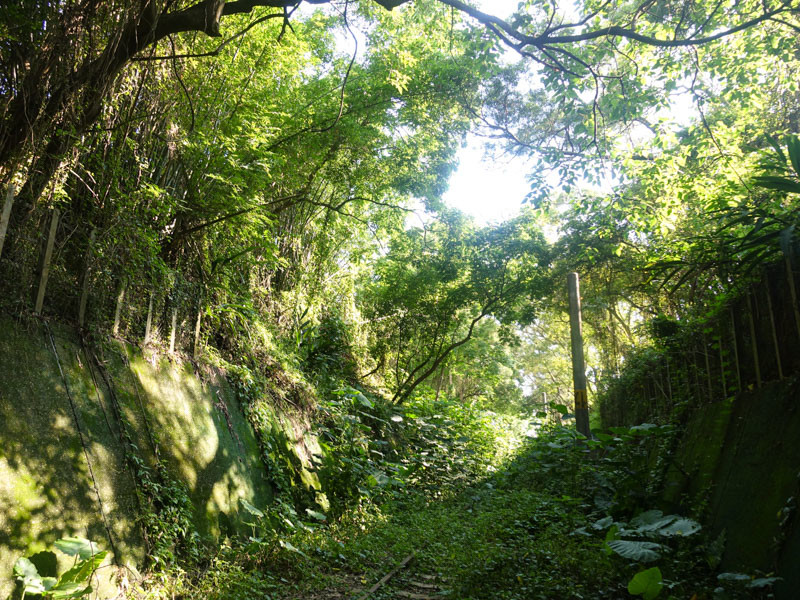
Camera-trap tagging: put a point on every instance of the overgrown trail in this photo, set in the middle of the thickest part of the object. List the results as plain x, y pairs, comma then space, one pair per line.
560, 521
503, 536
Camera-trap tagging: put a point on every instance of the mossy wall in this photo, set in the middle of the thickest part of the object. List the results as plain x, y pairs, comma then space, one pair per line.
741, 460
50, 424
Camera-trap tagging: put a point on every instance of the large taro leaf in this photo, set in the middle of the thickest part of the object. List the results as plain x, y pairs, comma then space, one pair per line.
680, 527
80, 547
28, 574
636, 550
646, 584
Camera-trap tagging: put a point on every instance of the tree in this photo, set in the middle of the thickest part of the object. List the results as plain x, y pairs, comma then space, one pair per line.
435, 285
57, 77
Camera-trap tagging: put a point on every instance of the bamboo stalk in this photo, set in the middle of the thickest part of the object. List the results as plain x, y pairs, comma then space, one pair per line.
86, 279
6, 216
173, 329
775, 343
48, 255
197, 325
709, 380
723, 378
148, 328
736, 352
753, 340
118, 310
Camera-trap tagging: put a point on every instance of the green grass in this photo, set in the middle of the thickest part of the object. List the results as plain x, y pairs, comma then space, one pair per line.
525, 530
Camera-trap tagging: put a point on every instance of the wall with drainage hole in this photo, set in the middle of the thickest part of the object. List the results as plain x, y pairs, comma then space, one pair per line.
65, 461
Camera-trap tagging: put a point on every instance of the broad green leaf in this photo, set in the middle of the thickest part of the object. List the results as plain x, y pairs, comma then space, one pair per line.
781, 184
778, 150
80, 547
793, 145
646, 518
680, 527
733, 577
763, 582
291, 548
25, 569
250, 508
603, 523
64, 591
636, 550
316, 515
646, 584
83, 570
28, 574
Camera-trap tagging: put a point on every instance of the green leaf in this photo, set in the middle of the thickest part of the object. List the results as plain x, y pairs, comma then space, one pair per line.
28, 574
793, 145
25, 569
63, 591
778, 150
83, 570
316, 515
49, 582
774, 182
646, 584
603, 523
560, 408
80, 547
250, 508
292, 548
763, 582
733, 577
680, 527
636, 550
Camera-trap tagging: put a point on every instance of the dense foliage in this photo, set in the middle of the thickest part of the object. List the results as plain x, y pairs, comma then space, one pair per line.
258, 185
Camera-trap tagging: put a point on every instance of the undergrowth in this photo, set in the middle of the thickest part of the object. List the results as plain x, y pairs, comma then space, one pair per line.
559, 517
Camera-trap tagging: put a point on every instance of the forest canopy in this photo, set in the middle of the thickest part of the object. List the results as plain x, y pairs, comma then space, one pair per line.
229, 171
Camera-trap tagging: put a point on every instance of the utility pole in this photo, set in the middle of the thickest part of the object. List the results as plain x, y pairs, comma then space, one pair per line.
578, 364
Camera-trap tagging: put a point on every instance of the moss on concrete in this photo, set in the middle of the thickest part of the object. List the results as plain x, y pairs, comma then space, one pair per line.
741, 461
47, 489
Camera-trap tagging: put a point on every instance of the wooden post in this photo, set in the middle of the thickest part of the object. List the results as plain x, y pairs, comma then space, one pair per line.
774, 332
793, 293
753, 340
85, 280
149, 325
578, 364
736, 352
723, 377
6, 216
118, 310
709, 377
48, 255
197, 325
173, 329
669, 381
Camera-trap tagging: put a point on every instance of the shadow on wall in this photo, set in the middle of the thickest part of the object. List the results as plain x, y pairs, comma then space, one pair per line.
50, 425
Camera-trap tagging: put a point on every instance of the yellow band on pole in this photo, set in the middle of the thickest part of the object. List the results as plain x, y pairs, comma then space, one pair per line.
581, 400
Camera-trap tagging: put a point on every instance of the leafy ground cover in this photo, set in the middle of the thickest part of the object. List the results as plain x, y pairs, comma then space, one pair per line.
560, 518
